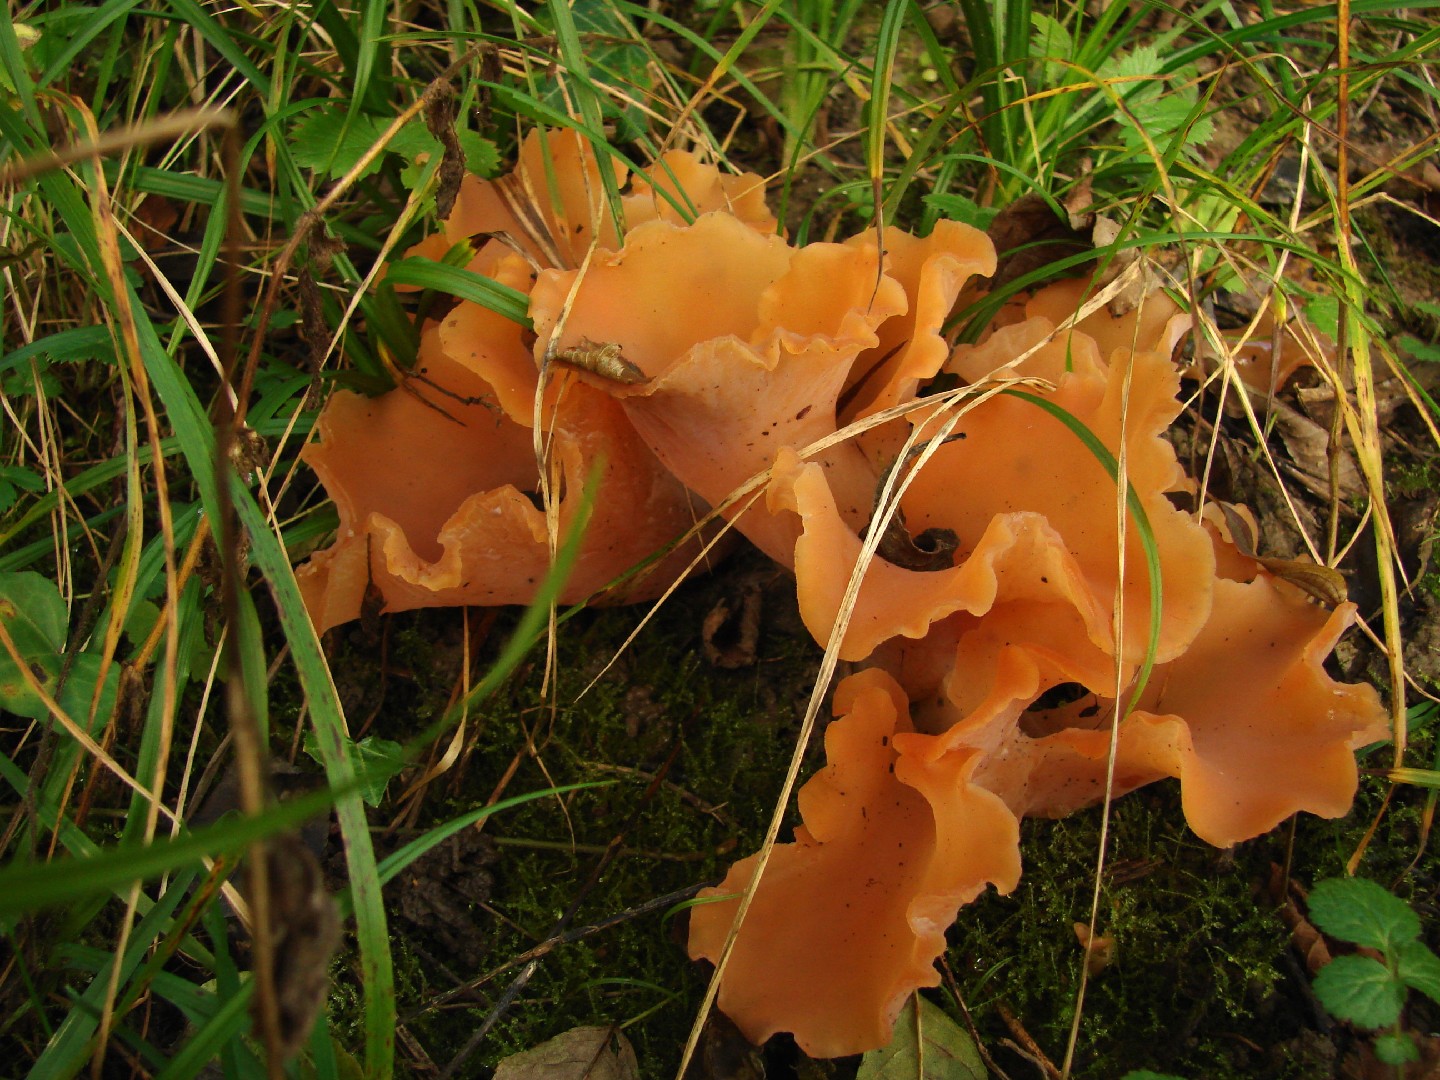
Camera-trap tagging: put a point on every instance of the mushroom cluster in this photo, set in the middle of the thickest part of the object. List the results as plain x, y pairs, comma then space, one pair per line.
1009, 615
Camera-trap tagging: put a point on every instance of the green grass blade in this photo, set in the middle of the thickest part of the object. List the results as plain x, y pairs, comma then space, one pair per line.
1142, 526
466, 284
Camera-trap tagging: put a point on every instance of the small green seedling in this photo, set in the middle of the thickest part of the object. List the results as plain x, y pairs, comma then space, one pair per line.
1363, 990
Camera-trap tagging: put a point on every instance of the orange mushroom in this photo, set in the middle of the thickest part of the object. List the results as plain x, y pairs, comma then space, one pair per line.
436, 482
1026, 608
745, 343
551, 207
848, 920
1030, 507
905, 825
743, 352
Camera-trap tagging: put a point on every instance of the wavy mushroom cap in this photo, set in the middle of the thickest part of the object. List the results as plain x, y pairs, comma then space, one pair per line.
1031, 507
848, 920
436, 481
746, 343
552, 205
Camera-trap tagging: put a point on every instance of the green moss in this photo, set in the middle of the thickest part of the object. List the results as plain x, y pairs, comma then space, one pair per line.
1193, 947
1203, 975
721, 739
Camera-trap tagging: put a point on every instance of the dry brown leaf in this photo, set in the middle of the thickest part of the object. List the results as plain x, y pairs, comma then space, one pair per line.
582, 1053
1030, 223
305, 931
1309, 447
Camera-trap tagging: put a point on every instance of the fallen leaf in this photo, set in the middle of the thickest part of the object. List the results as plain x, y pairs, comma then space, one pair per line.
582, 1053
1030, 223
927, 1045
1309, 447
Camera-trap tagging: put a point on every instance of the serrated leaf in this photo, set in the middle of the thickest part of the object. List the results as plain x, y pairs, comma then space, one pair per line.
1354, 909
1361, 990
414, 139
376, 760
925, 1046
325, 142
482, 157
1161, 117
1050, 39
1137, 70
1419, 969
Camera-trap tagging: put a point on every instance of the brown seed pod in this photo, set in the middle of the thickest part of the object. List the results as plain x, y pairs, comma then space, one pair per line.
604, 360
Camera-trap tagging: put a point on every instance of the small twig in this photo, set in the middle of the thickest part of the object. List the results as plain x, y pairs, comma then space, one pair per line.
1028, 1046
954, 988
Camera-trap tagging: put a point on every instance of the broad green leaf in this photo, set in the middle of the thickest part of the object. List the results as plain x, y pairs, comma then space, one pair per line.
963, 209
377, 761
1354, 909
1324, 313
79, 690
1361, 990
1396, 1049
1420, 350
33, 611
1419, 969
926, 1045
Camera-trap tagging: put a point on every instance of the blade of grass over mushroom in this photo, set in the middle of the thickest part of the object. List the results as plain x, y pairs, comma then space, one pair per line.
466, 284
1142, 525
533, 623
887, 45
887, 507
587, 97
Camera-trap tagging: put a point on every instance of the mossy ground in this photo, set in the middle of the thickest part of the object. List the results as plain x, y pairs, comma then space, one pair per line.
1203, 983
